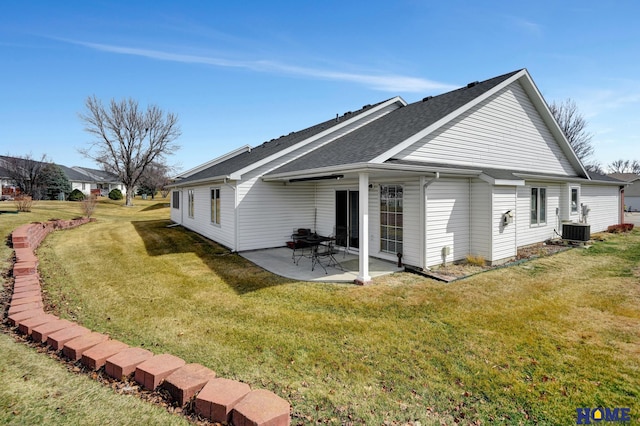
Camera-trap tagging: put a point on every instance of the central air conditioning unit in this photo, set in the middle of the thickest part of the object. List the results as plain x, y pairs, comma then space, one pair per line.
576, 231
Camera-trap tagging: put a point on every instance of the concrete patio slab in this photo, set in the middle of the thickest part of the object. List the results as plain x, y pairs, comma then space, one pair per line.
279, 262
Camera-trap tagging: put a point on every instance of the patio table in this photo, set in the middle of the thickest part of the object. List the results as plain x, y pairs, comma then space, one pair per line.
321, 248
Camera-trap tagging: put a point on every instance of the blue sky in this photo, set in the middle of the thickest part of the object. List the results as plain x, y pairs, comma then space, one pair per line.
241, 73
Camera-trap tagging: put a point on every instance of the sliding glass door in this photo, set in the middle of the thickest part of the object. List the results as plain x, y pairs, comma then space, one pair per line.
347, 216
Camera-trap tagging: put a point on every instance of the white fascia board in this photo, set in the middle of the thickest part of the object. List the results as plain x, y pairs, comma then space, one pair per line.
536, 98
218, 160
444, 120
566, 179
368, 167
237, 175
602, 182
501, 182
321, 171
221, 178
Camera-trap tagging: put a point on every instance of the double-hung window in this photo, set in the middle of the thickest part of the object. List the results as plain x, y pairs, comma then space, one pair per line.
215, 206
175, 196
575, 200
391, 215
190, 202
538, 206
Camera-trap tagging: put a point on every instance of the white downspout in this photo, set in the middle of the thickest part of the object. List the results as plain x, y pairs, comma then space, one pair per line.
424, 183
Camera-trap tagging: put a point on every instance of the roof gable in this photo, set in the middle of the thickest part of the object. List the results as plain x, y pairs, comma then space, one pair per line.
505, 130
388, 136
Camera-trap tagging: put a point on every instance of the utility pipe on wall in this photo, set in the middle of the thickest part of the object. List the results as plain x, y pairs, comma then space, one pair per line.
424, 183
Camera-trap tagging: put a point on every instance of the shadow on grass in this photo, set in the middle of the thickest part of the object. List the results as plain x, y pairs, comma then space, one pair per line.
238, 273
156, 206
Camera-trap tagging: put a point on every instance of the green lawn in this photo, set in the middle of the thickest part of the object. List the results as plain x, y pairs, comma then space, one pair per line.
38, 390
526, 344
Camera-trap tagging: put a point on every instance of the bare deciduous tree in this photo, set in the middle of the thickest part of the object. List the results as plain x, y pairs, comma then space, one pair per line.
574, 127
28, 175
624, 166
595, 167
155, 178
128, 139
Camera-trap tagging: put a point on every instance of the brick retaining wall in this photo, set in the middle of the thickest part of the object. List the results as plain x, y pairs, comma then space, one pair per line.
222, 400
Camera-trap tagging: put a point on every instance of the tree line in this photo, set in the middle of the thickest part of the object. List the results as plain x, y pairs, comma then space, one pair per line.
574, 127
39, 179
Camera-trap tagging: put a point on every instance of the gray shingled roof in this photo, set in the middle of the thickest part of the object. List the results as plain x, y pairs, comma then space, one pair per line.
268, 148
97, 174
74, 175
602, 178
627, 177
379, 136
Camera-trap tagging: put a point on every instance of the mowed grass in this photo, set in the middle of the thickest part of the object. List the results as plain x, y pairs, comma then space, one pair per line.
522, 345
38, 390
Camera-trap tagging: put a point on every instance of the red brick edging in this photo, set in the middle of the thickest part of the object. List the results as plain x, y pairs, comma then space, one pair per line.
217, 399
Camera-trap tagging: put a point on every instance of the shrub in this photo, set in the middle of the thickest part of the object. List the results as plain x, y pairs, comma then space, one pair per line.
116, 194
76, 195
475, 260
89, 205
23, 203
622, 227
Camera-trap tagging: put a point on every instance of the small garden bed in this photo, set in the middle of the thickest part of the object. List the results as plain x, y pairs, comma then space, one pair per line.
462, 269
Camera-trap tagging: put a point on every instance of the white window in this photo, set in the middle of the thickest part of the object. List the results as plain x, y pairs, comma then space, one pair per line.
575, 200
190, 202
215, 206
391, 218
538, 206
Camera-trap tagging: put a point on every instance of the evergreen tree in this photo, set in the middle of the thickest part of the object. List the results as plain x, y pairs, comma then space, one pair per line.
54, 182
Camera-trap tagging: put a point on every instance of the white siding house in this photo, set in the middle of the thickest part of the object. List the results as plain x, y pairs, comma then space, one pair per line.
92, 180
631, 190
482, 170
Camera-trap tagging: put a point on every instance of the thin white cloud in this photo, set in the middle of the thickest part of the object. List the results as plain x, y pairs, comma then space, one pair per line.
526, 26
382, 82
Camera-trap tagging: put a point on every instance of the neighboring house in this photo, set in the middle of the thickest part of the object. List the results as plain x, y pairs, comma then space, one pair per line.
82, 178
92, 180
632, 191
7, 190
481, 170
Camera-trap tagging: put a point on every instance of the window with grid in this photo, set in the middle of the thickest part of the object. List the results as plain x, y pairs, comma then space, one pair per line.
391, 212
215, 206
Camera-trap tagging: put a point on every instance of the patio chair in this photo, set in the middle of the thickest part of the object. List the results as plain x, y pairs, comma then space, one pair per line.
341, 235
300, 248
